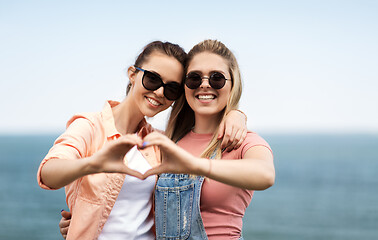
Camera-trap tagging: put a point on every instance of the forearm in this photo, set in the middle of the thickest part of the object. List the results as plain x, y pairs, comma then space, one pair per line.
57, 173
252, 174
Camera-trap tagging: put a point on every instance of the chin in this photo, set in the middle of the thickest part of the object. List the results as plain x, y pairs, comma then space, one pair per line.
207, 112
149, 113
153, 113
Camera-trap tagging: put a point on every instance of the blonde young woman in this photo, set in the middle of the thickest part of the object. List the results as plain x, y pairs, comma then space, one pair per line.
202, 191
89, 158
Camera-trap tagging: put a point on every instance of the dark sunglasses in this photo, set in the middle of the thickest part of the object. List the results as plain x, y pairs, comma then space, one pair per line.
151, 81
216, 80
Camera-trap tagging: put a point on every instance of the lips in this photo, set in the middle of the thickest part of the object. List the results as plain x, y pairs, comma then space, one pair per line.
153, 102
205, 96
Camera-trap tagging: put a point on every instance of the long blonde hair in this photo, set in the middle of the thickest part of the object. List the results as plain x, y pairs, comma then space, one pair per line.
182, 119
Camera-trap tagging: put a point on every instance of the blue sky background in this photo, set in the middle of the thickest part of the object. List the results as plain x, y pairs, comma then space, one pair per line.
307, 66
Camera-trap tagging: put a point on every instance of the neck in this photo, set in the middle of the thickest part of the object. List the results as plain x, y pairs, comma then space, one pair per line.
126, 118
205, 124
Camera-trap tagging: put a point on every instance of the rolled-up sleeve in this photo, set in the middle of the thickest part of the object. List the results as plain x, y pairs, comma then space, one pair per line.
74, 143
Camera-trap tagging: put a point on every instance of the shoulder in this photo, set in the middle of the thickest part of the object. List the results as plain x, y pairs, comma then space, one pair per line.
96, 119
89, 121
252, 140
253, 137
82, 128
91, 118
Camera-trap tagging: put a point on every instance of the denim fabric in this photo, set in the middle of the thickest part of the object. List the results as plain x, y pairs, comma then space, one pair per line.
177, 209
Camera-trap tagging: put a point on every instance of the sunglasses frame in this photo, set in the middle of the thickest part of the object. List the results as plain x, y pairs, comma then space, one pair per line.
208, 78
162, 84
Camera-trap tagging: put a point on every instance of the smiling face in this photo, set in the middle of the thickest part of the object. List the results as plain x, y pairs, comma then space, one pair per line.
149, 102
205, 100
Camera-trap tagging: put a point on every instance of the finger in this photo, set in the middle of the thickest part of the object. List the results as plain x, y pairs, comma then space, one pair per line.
144, 144
132, 172
241, 140
135, 139
226, 137
154, 171
237, 137
64, 230
232, 141
236, 140
63, 227
221, 129
65, 214
147, 141
230, 147
129, 142
64, 223
154, 135
154, 140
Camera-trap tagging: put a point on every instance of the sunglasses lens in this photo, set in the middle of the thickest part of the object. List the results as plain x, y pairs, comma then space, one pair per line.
217, 80
193, 80
172, 91
151, 81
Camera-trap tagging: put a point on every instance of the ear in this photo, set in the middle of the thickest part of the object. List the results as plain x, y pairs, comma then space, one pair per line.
131, 74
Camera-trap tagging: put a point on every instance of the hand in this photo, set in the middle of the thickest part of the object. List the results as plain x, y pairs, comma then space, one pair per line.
233, 129
174, 158
110, 158
64, 223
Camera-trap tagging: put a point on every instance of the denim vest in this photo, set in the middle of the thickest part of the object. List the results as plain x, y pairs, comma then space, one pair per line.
177, 207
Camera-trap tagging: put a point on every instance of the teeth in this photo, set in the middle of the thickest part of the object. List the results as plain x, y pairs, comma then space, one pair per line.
153, 102
205, 97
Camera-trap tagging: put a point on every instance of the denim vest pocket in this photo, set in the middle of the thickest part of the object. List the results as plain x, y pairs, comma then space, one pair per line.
174, 194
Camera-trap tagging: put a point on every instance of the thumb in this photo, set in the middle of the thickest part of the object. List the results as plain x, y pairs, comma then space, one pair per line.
131, 172
153, 171
66, 215
221, 130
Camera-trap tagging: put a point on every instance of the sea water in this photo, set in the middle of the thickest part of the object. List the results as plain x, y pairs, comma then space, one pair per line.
326, 188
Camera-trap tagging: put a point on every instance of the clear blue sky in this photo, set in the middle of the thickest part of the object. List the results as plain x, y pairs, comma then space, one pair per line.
307, 65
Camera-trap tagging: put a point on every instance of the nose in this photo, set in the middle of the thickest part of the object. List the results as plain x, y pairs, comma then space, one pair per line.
205, 84
160, 92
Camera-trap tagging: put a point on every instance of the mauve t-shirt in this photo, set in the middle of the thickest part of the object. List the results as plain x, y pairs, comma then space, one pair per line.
222, 206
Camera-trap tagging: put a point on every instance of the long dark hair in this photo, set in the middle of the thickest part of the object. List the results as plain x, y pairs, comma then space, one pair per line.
167, 48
